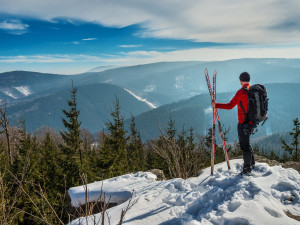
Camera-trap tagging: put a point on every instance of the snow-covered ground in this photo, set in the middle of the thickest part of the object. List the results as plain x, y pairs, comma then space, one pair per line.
224, 198
141, 99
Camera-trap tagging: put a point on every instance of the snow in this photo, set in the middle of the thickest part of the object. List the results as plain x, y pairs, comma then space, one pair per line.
173, 110
141, 99
119, 188
224, 198
10, 94
150, 88
208, 110
179, 82
24, 90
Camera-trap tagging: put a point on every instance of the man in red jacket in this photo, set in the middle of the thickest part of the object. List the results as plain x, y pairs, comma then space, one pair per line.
244, 127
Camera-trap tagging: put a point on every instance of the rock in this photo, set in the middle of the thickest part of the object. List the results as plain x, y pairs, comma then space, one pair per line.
159, 174
294, 165
261, 159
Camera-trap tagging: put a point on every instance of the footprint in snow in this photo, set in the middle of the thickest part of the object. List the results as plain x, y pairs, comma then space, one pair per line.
234, 205
273, 212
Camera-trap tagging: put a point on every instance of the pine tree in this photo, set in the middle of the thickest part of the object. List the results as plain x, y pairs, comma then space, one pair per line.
51, 172
51, 179
25, 171
72, 161
113, 152
135, 149
171, 130
293, 148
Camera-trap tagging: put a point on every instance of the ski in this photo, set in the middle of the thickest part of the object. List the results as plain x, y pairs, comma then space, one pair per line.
212, 93
223, 141
213, 139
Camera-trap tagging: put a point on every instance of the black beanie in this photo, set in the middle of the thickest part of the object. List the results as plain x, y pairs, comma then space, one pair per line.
245, 77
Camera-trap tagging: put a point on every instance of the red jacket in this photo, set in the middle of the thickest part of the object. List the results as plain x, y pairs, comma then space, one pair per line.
240, 96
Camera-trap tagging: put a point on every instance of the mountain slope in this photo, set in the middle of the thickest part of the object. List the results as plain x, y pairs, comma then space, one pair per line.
160, 83
196, 112
94, 101
19, 84
224, 198
163, 83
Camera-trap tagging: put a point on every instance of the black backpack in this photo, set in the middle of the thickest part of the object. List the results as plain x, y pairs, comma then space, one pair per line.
257, 105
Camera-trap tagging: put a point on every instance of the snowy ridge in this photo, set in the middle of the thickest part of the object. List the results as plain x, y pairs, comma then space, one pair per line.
23, 90
141, 99
8, 93
225, 198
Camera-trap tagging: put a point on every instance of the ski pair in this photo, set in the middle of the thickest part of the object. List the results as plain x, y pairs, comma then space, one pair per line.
212, 93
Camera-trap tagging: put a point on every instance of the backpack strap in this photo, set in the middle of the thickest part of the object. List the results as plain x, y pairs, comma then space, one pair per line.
244, 110
245, 113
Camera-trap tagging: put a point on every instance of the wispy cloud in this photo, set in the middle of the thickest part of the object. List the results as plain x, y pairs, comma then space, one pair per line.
55, 58
130, 46
136, 57
89, 39
76, 63
231, 21
14, 26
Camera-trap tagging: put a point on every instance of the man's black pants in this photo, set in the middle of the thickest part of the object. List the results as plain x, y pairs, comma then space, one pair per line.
244, 131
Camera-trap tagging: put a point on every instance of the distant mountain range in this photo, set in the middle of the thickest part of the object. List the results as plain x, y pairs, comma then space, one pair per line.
196, 112
95, 102
152, 93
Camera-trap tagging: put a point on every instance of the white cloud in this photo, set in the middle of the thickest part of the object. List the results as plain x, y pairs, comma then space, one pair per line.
56, 58
130, 46
256, 21
139, 57
89, 39
13, 26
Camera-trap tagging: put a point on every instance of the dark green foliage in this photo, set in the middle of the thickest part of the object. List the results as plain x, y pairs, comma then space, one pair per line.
171, 131
135, 149
294, 147
113, 152
72, 159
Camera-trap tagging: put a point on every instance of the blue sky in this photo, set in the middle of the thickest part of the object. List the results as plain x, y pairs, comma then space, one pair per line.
75, 36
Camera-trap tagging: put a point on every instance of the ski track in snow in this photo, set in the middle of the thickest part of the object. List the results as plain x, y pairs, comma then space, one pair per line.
141, 99
224, 198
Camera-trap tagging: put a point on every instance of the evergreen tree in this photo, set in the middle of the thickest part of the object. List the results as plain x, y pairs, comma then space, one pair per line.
51, 179
51, 172
71, 160
171, 130
293, 148
135, 149
113, 151
25, 176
